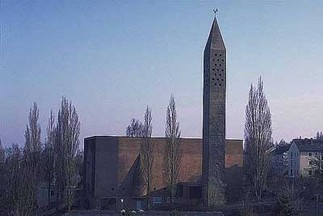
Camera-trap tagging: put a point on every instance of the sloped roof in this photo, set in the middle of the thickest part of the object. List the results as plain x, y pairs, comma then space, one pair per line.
280, 149
215, 40
309, 145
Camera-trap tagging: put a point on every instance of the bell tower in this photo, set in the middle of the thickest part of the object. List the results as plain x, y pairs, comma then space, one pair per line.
214, 104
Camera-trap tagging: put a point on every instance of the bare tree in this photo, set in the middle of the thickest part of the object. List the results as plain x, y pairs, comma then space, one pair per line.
2, 154
32, 152
48, 155
134, 129
146, 153
173, 154
66, 146
33, 131
20, 192
319, 135
3, 182
257, 134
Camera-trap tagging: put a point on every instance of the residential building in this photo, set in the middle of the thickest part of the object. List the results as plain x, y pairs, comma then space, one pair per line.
301, 156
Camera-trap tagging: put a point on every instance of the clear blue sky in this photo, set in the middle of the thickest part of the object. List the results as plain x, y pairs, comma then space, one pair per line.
112, 58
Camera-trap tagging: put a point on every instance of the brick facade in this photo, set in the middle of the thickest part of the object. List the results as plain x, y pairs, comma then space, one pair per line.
113, 170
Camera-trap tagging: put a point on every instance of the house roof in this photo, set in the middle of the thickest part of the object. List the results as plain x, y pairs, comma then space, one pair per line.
280, 149
309, 145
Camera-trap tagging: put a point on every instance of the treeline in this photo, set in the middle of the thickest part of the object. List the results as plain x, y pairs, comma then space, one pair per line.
55, 163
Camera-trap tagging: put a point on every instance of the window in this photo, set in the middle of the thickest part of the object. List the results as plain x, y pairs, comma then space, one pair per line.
291, 172
157, 200
310, 163
52, 193
291, 155
310, 172
310, 154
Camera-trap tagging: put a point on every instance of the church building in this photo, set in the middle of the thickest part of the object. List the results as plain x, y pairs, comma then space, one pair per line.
211, 167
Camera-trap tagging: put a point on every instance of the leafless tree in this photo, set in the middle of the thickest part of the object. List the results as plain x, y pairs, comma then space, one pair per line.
134, 129
66, 146
20, 192
2, 154
32, 152
48, 154
3, 182
319, 135
146, 153
257, 134
173, 154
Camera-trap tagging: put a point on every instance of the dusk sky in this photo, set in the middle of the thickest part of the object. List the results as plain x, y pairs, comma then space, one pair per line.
113, 58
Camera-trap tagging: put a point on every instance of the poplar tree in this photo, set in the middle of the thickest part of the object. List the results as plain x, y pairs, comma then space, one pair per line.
258, 134
173, 154
67, 133
32, 151
146, 153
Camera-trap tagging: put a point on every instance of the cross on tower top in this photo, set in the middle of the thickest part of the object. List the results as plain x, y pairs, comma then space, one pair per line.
215, 11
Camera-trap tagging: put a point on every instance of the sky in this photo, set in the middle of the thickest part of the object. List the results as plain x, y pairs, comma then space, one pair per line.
113, 58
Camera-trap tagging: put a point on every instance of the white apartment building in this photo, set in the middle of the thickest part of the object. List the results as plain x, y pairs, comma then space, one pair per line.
301, 155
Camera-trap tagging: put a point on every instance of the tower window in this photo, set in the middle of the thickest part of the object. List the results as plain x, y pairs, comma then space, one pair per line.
220, 65
218, 59
220, 74
213, 69
216, 54
212, 78
217, 69
220, 55
217, 79
222, 80
223, 60
220, 84
213, 59
215, 64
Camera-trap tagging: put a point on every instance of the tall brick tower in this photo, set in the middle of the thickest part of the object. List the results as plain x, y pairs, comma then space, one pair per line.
214, 90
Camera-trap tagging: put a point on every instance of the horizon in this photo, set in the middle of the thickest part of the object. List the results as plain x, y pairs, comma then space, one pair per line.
112, 59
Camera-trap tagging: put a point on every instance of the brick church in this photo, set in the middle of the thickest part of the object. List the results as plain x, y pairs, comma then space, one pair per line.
211, 166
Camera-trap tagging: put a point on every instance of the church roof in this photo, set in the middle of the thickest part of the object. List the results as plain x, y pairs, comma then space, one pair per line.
215, 38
